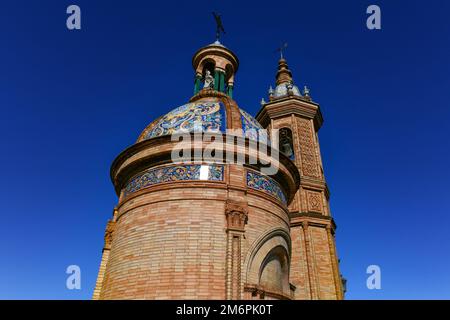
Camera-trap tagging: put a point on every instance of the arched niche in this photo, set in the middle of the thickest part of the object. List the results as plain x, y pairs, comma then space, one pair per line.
274, 273
268, 263
210, 65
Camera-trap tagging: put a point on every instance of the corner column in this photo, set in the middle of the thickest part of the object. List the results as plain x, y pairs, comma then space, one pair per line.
109, 231
230, 90
197, 83
309, 261
334, 261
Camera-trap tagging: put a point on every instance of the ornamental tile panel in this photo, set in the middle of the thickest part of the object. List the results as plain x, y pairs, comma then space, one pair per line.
266, 184
251, 127
173, 173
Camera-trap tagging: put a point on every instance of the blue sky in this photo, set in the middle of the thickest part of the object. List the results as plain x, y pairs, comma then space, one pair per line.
72, 100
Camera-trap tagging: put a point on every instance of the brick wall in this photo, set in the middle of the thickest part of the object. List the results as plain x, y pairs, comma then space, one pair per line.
169, 244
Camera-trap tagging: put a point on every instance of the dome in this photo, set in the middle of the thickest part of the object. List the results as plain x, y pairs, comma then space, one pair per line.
282, 90
203, 115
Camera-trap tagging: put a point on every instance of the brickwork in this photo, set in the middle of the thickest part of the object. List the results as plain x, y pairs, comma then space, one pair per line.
101, 274
169, 249
224, 239
314, 269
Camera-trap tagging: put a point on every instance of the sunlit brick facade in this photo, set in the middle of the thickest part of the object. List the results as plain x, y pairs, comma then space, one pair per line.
216, 229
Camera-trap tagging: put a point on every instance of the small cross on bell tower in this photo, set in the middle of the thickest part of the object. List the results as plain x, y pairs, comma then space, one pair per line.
281, 49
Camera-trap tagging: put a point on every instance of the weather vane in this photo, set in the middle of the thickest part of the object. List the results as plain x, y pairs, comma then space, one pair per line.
219, 25
281, 49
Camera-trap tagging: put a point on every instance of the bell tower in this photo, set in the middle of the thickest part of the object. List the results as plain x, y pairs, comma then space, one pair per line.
314, 263
215, 67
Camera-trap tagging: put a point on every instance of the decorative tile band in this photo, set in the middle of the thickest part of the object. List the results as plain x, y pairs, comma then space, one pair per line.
174, 173
266, 184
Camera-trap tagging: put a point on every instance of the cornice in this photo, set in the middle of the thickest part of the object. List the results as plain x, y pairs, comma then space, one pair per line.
215, 50
121, 171
312, 219
290, 105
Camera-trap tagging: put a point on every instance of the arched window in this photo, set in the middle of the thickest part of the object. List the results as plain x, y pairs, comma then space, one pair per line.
208, 73
286, 143
268, 261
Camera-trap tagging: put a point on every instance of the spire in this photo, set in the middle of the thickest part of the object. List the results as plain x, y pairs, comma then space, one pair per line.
284, 75
285, 86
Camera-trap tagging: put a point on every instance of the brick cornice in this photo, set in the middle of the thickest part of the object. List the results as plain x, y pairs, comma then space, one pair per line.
315, 183
312, 219
288, 106
215, 50
257, 290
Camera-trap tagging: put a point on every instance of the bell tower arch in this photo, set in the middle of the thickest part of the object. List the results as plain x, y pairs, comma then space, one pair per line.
215, 67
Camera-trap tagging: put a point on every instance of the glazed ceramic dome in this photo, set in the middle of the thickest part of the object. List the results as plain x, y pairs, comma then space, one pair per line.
210, 114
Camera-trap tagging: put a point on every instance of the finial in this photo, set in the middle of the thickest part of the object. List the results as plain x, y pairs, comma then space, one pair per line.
271, 92
306, 91
281, 49
219, 26
263, 102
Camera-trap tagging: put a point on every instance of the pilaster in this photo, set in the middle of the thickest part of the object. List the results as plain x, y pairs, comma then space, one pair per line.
236, 216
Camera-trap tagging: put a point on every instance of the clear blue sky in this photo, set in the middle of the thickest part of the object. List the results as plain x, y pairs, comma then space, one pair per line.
72, 100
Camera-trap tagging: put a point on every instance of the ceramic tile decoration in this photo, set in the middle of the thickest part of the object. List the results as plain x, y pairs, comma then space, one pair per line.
171, 174
266, 184
251, 127
191, 117
198, 229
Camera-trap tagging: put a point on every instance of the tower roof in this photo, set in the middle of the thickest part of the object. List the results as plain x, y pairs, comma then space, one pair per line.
216, 51
284, 82
284, 75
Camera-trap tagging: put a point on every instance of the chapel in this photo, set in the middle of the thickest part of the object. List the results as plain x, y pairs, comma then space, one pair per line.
217, 227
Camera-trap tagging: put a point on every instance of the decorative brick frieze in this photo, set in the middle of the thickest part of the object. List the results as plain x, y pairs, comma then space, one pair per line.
315, 203
307, 149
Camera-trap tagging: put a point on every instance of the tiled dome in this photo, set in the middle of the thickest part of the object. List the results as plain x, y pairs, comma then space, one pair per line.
208, 115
